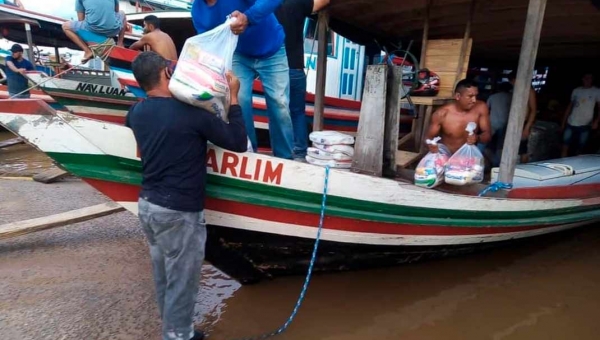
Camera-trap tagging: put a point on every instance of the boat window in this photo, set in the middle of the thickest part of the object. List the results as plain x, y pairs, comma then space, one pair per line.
311, 41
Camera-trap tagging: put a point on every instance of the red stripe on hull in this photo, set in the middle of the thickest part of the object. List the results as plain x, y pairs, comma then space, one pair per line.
129, 193
25, 106
310, 98
557, 192
104, 118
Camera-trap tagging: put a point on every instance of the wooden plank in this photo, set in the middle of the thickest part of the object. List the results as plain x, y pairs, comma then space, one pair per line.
445, 47
50, 176
29, 226
392, 121
425, 39
422, 147
11, 142
518, 107
406, 158
368, 148
319, 107
429, 100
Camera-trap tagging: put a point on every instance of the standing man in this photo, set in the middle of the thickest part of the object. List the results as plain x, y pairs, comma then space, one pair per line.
97, 16
16, 66
450, 120
577, 121
172, 138
531, 114
260, 52
16, 3
291, 15
499, 106
158, 41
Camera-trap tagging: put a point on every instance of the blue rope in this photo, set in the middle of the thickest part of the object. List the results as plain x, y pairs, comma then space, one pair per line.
308, 274
495, 187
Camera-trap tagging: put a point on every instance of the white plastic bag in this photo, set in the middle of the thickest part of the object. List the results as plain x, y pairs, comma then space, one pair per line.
330, 138
199, 78
326, 155
430, 171
332, 163
346, 150
466, 165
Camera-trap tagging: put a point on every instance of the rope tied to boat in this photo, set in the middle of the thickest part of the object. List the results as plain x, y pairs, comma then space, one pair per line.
106, 50
308, 274
494, 187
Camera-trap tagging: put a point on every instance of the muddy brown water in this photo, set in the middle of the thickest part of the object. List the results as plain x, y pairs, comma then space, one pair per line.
546, 288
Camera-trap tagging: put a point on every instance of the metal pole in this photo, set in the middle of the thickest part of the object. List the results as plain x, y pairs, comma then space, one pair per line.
321, 71
518, 108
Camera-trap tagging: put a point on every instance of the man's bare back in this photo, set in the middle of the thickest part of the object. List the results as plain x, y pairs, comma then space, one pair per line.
161, 43
450, 121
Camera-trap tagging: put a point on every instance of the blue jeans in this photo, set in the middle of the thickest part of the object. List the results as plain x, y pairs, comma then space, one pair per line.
298, 111
273, 72
580, 133
176, 240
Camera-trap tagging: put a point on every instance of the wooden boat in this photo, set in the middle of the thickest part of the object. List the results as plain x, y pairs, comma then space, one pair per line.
263, 212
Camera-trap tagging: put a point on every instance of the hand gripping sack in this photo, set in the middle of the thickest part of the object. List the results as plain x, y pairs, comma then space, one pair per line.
466, 165
199, 78
430, 171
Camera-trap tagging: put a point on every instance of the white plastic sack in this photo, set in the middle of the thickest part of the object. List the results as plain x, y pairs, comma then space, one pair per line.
430, 171
326, 155
466, 165
332, 163
330, 138
199, 78
346, 150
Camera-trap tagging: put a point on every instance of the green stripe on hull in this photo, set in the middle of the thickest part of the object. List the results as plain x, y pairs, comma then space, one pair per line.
127, 171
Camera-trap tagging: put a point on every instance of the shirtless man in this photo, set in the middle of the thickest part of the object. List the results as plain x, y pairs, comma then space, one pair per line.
158, 41
450, 121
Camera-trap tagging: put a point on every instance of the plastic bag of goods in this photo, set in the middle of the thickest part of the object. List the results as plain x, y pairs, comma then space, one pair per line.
330, 138
200, 76
430, 171
466, 165
328, 155
331, 162
343, 150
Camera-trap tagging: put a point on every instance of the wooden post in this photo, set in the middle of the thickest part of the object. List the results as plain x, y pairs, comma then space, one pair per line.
30, 43
518, 107
465, 44
368, 148
425, 35
392, 121
322, 24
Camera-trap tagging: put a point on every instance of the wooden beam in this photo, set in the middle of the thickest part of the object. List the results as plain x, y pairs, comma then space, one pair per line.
465, 44
392, 120
425, 35
368, 148
50, 176
29, 226
518, 108
11, 142
323, 24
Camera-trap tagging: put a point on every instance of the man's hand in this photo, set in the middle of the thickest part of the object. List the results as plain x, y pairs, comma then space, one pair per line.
22, 71
234, 87
240, 24
472, 139
526, 133
433, 148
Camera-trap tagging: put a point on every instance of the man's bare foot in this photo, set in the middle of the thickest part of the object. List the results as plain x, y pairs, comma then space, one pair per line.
87, 56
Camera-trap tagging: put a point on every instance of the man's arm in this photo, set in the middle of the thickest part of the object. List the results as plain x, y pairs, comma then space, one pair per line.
260, 10
568, 111
532, 105
485, 129
12, 67
80, 10
139, 45
231, 136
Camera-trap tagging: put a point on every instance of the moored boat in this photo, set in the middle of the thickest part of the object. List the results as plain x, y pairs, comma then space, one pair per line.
263, 212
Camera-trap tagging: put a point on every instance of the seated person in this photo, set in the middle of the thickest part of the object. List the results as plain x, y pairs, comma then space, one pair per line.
101, 17
449, 121
158, 41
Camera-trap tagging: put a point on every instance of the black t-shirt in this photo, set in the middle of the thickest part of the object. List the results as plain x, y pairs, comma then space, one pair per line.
291, 15
171, 137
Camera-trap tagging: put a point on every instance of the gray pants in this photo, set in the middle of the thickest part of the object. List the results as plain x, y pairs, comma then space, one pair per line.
176, 241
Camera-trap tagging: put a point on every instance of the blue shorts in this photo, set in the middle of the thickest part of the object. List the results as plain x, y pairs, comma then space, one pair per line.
77, 26
580, 133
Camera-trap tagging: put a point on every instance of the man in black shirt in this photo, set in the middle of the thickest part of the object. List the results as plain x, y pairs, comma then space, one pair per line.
172, 138
292, 15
